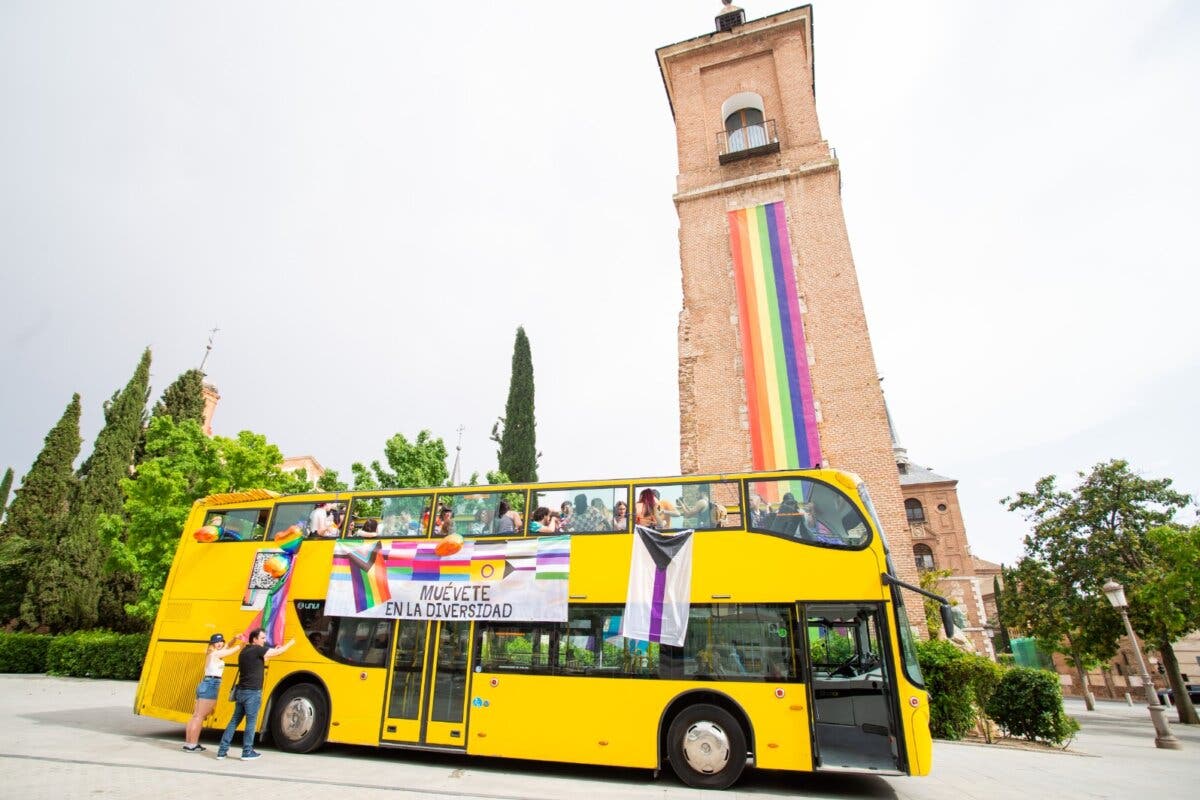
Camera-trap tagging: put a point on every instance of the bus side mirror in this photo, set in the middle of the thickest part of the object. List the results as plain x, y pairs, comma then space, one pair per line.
948, 619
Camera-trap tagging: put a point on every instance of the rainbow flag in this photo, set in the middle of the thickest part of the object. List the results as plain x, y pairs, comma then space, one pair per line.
274, 609
783, 424
368, 576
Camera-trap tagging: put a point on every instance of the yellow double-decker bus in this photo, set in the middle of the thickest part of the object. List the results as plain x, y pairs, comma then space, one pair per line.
761, 624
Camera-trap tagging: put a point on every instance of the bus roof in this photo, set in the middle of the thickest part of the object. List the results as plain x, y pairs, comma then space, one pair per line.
229, 498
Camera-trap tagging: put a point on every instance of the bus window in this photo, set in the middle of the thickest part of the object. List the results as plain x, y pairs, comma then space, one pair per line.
701, 506
740, 642
240, 525
514, 647
402, 515
481, 513
321, 520
361, 642
808, 510
590, 508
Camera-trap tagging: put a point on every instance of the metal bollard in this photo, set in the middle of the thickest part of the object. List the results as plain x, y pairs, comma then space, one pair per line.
1128, 699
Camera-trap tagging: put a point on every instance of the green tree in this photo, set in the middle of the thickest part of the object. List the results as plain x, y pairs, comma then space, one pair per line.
1166, 600
330, 482
79, 588
1002, 642
184, 398
182, 466
364, 479
418, 463
515, 431
1081, 538
5, 490
39, 511
933, 609
1050, 607
67, 593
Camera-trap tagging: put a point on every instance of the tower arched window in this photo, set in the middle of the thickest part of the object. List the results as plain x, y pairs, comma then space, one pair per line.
744, 122
914, 510
923, 555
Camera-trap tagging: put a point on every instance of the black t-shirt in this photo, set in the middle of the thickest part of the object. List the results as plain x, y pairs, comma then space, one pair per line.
250, 666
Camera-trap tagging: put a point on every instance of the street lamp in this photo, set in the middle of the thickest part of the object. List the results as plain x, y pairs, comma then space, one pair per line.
1163, 737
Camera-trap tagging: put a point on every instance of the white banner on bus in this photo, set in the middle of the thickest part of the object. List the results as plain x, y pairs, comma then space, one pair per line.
520, 579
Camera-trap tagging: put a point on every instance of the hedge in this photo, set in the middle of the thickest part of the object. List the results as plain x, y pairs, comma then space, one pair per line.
959, 684
1028, 703
98, 654
24, 652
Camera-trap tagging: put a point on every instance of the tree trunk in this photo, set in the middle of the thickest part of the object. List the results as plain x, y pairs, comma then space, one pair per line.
1088, 699
1183, 701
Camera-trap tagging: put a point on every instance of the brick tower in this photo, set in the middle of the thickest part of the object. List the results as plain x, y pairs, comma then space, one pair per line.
775, 362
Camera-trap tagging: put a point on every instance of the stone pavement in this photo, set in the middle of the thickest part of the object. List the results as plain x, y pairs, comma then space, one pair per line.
73, 738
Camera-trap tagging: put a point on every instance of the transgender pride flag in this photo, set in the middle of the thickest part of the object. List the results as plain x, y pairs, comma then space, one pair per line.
660, 587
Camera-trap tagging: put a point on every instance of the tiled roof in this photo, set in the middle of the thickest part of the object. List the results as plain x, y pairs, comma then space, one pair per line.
916, 474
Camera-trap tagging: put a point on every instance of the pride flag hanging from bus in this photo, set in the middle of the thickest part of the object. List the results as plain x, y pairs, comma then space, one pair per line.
519, 579
269, 587
779, 399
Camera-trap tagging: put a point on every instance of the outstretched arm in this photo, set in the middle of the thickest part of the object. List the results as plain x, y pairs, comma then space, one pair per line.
274, 651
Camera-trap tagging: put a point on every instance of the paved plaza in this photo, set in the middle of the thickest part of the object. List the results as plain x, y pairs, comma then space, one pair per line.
66, 737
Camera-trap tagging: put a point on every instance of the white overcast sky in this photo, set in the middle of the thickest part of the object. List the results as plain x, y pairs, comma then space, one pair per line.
368, 198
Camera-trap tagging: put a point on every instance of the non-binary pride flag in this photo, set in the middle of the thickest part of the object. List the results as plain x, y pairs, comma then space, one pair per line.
660, 587
779, 397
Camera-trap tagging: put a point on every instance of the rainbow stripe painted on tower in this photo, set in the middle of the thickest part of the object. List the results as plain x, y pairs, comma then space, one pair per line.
783, 423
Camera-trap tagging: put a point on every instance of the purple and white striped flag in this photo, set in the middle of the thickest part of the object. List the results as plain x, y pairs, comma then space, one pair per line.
660, 587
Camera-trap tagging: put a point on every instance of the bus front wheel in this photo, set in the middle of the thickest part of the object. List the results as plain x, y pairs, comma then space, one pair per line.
299, 719
706, 747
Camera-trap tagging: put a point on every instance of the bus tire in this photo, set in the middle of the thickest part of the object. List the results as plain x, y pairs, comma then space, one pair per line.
300, 719
706, 747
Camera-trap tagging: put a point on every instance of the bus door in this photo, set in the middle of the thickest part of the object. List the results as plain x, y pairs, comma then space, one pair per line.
853, 708
427, 697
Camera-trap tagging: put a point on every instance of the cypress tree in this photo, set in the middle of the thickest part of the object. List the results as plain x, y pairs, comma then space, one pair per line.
5, 488
518, 446
1001, 642
68, 594
39, 511
183, 399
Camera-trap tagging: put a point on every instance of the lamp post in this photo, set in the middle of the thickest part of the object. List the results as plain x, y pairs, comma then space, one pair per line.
1163, 737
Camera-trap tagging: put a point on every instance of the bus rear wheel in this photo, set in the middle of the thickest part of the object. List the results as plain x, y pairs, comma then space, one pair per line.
299, 719
706, 747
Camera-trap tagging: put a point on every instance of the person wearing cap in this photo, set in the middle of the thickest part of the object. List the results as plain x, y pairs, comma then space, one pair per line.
208, 690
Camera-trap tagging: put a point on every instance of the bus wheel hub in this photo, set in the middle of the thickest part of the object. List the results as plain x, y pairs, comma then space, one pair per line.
706, 747
298, 718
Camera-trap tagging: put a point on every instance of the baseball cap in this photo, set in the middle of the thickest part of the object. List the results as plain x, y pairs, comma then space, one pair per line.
216, 637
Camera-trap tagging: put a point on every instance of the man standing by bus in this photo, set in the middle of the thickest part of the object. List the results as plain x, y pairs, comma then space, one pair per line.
247, 693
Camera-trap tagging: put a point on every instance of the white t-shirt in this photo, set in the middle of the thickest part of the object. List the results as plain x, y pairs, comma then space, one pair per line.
214, 664
318, 520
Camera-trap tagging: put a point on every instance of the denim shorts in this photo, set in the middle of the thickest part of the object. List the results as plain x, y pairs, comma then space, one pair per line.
209, 688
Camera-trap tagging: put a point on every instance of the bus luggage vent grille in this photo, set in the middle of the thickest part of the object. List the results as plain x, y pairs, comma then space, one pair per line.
178, 675
178, 612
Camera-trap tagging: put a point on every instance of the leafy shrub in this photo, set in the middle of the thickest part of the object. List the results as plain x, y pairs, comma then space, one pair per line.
959, 685
98, 654
1028, 703
1006, 659
23, 652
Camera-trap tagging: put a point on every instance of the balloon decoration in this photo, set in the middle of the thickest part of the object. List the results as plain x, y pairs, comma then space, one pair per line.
209, 533
450, 544
288, 533
275, 566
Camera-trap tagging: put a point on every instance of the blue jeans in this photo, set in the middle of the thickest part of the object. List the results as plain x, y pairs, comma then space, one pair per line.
245, 704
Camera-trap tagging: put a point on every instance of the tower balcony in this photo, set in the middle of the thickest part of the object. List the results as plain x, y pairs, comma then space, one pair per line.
741, 143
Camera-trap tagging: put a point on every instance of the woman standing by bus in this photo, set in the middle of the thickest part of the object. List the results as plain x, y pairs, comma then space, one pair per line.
209, 689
